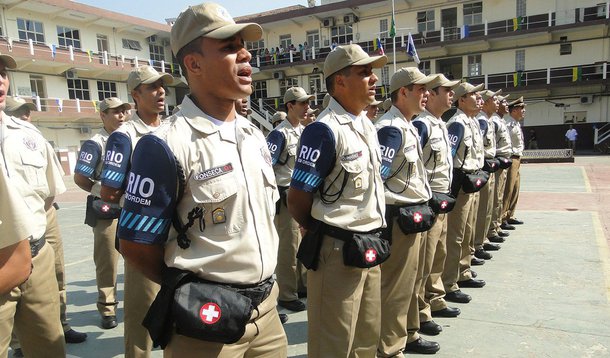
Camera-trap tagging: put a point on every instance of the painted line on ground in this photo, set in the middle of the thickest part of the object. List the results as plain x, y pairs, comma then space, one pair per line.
604, 251
585, 178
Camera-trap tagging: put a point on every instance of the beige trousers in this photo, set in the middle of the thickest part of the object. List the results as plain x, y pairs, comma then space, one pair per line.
105, 257
456, 238
431, 292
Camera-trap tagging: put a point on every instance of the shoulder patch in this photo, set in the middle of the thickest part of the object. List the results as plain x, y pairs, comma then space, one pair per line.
484, 125
422, 130
117, 160
276, 142
390, 141
89, 156
316, 156
151, 193
456, 133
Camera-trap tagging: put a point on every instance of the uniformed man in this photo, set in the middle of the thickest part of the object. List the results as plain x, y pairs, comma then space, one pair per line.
503, 151
484, 212
147, 87
337, 182
225, 214
372, 110
513, 122
100, 215
405, 184
282, 143
241, 106
277, 118
311, 116
387, 103
19, 108
462, 131
325, 101
32, 307
438, 162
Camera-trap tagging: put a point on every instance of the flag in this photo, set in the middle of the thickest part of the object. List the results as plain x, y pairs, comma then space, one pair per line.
150, 62
392, 32
517, 23
576, 73
517, 77
90, 53
411, 51
375, 45
53, 50
94, 102
379, 46
465, 31
60, 104
171, 67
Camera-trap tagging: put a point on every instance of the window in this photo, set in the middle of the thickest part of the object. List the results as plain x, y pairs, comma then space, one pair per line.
383, 28
385, 75
342, 34
474, 65
520, 60
521, 8
260, 89
106, 89
30, 30
255, 45
313, 39
132, 45
473, 13
102, 45
285, 41
157, 53
37, 88
78, 89
315, 84
68, 37
424, 67
425, 21
565, 49
287, 83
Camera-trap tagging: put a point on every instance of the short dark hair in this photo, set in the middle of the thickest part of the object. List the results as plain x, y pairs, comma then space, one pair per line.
286, 104
394, 95
330, 80
191, 47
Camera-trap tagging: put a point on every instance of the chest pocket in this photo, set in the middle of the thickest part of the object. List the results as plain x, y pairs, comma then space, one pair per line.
34, 167
438, 152
272, 194
223, 211
357, 177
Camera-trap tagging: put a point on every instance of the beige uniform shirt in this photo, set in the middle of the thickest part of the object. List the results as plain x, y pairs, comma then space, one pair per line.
503, 144
228, 175
15, 217
469, 146
33, 168
285, 164
516, 135
361, 206
436, 152
407, 182
489, 137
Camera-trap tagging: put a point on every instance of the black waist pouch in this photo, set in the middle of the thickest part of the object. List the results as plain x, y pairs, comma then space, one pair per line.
365, 250
442, 203
415, 218
210, 312
103, 210
491, 165
309, 248
473, 182
504, 162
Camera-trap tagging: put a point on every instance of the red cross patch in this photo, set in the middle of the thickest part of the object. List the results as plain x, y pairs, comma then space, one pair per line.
417, 217
370, 255
444, 204
105, 208
209, 313
478, 182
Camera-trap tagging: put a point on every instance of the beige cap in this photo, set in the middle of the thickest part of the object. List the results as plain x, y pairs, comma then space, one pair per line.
278, 116
487, 94
408, 76
9, 61
517, 103
350, 55
209, 20
311, 111
375, 103
297, 94
387, 104
503, 98
441, 81
146, 75
15, 103
326, 100
113, 102
465, 88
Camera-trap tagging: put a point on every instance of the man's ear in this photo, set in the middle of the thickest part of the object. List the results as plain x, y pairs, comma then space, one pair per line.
192, 62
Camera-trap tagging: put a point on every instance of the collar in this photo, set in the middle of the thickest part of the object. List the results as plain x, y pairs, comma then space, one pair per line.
343, 117
139, 125
396, 113
431, 117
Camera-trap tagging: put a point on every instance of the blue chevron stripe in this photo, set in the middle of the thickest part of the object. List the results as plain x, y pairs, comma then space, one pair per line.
133, 221
126, 218
152, 221
142, 222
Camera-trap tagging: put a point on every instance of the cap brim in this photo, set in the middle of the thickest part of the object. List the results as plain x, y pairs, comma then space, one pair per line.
478, 88
29, 105
248, 31
305, 98
374, 61
166, 77
375, 103
9, 61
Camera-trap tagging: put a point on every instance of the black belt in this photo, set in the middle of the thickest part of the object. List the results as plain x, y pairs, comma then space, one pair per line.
257, 292
35, 246
345, 235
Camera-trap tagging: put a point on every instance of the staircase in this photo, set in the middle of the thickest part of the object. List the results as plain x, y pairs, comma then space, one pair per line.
262, 115
601, 139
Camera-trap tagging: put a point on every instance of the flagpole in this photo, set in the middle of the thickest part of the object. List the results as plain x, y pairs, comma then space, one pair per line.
394, 39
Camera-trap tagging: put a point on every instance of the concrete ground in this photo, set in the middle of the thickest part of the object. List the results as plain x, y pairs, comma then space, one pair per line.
547, 292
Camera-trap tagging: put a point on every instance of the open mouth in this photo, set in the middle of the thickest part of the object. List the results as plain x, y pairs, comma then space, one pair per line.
245, 72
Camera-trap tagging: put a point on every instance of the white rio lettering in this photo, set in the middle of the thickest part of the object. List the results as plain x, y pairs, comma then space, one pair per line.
112, 156
143, 187
309, 154
86, 156
272, 147
387, 152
